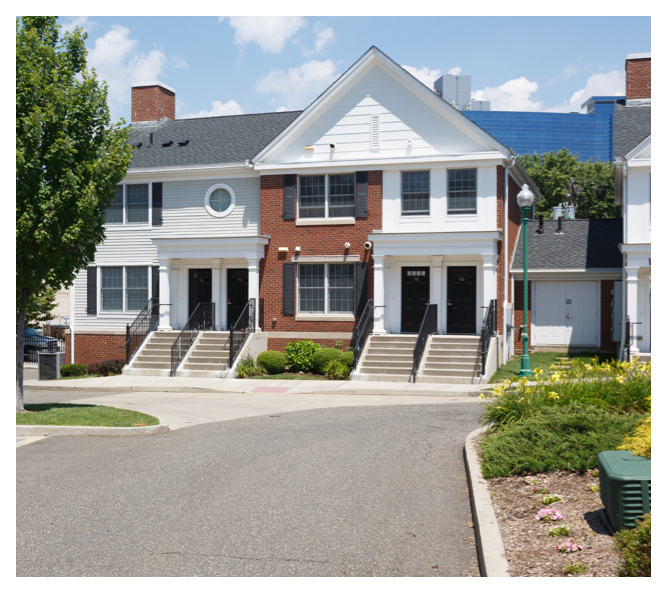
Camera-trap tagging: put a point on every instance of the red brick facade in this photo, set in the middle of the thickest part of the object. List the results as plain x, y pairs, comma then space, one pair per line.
94, 347
638, 78
313, 240
279, 343
152, 103
518, 312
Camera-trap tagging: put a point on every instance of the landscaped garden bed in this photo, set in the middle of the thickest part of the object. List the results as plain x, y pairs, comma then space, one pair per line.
544, 360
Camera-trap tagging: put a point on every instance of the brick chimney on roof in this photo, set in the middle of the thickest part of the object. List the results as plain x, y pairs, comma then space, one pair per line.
638, 79
152, 101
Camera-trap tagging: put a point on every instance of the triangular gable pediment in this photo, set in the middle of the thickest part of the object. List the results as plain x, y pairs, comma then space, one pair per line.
641, 152
377, 111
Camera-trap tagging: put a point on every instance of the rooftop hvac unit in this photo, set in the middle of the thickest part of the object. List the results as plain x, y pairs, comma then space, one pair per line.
49, 365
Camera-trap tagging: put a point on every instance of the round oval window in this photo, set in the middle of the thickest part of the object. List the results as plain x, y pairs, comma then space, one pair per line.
220, 200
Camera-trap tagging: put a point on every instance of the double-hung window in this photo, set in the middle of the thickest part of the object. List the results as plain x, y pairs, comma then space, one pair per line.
129, 206
326, 288
326, 196
462, 191
124, 288
415, 192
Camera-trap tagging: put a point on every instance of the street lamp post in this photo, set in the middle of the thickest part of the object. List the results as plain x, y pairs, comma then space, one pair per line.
525, 199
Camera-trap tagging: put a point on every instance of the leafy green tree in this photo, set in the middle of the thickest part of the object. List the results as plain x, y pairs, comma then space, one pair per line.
69, 159
594, 183
39, 308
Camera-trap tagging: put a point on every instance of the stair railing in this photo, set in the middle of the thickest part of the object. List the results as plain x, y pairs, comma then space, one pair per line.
137, 331
428, 327
361, 331
239, 332
489, 330
202, 318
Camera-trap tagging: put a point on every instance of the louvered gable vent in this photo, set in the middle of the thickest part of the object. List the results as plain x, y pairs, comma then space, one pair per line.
375, 131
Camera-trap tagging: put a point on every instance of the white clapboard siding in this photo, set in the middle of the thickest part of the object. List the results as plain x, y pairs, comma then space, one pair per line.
639, 205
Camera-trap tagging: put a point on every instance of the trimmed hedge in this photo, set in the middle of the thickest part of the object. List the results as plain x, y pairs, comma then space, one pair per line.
73, 370
348, 358
274, 362
323, 357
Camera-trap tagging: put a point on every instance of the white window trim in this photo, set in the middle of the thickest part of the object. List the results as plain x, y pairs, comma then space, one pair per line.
328, 315
463, 213
326, 219
207, 200
412, 214
125, 312
132, 225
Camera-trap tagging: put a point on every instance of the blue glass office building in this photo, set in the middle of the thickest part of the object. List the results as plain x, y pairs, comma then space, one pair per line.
590, 134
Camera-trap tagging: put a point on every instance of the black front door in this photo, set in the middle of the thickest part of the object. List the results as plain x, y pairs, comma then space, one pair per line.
199, 288
461, 299
414, 298
237, 293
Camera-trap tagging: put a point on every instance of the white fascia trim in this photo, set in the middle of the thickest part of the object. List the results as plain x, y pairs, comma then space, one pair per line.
482, 243
372, 57
638, 149
387, 163
190, 170
153, 83
635, 248
638, 56
208, 241
520, 175
593, 272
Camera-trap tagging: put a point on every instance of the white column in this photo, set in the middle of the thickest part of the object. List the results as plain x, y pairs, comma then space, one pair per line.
489, 279
632, 300
165, 295
253, 285
378, 295
216, 297
436, 287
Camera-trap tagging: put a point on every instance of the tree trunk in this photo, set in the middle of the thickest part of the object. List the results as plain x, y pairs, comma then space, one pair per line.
20, 339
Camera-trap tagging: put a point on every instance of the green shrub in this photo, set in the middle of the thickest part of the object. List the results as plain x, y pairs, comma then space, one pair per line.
112, 366
639, 441
274, 362
323, 357
562, 438
73, 370
635, 549
247, 367
300, 355
337, 370
348, 358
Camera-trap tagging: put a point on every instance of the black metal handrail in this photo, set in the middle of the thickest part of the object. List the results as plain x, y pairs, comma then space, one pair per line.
489, 330
202, 318
428, 327
137, 331
239, 332
361, 331
628, 339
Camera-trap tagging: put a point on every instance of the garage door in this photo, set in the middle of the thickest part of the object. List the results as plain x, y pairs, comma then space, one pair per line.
565, 313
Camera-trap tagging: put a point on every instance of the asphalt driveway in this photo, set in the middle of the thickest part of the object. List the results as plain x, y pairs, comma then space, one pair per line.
363, 491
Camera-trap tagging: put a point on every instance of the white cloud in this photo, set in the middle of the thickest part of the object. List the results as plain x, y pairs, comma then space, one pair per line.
425, 75
298, 86
269, 32
455, 71
219, 108
179, 62
77, 21
116, 61
602, 84
514, 95
323, 36
281, 109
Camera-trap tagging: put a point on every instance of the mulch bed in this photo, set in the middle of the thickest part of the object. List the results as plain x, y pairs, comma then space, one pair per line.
530, 550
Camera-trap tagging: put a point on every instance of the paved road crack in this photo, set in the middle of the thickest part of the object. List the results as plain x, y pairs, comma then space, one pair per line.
241, 557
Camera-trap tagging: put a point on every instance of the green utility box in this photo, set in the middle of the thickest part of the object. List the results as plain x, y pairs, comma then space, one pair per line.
625, 487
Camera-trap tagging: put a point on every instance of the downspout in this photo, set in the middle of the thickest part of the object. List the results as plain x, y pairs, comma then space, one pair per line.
71, 323
506, 261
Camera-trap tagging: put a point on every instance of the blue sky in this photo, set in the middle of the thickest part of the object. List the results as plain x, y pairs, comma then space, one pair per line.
225, 66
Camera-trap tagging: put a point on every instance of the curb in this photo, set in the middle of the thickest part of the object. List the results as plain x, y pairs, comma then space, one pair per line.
27, 430
490, 547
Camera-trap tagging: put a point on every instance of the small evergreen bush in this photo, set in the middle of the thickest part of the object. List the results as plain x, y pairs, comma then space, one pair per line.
73, 370
274, 362
634, 546
337, 370
323, 357
300, 355
348, 358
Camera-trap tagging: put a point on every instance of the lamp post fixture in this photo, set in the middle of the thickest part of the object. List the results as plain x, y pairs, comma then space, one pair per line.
525, 199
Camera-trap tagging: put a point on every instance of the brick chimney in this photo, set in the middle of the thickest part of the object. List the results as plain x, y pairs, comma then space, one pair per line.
638, 79
152, 101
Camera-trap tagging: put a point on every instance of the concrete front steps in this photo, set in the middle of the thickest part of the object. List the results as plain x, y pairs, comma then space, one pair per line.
449, 359
208, 356
387, 358
154, 356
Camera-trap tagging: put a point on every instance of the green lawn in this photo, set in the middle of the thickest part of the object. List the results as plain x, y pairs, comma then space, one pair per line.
541, 359
297, 376
79, 377
82, 415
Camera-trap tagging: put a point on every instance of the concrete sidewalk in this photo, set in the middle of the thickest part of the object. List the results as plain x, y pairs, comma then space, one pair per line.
206, 385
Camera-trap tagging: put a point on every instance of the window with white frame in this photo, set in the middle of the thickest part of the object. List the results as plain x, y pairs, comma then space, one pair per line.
326, 196
462, 191
326, 288
124, 288
129, 206
415, 192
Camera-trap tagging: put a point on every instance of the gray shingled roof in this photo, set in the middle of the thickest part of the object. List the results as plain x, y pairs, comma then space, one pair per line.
584, 244
632, 125
226, 139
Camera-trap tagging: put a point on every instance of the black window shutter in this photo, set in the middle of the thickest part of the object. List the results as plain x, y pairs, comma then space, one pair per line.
155, 283
91, 291
288, 288
157, 204
360, 286
289, 196
361, 194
